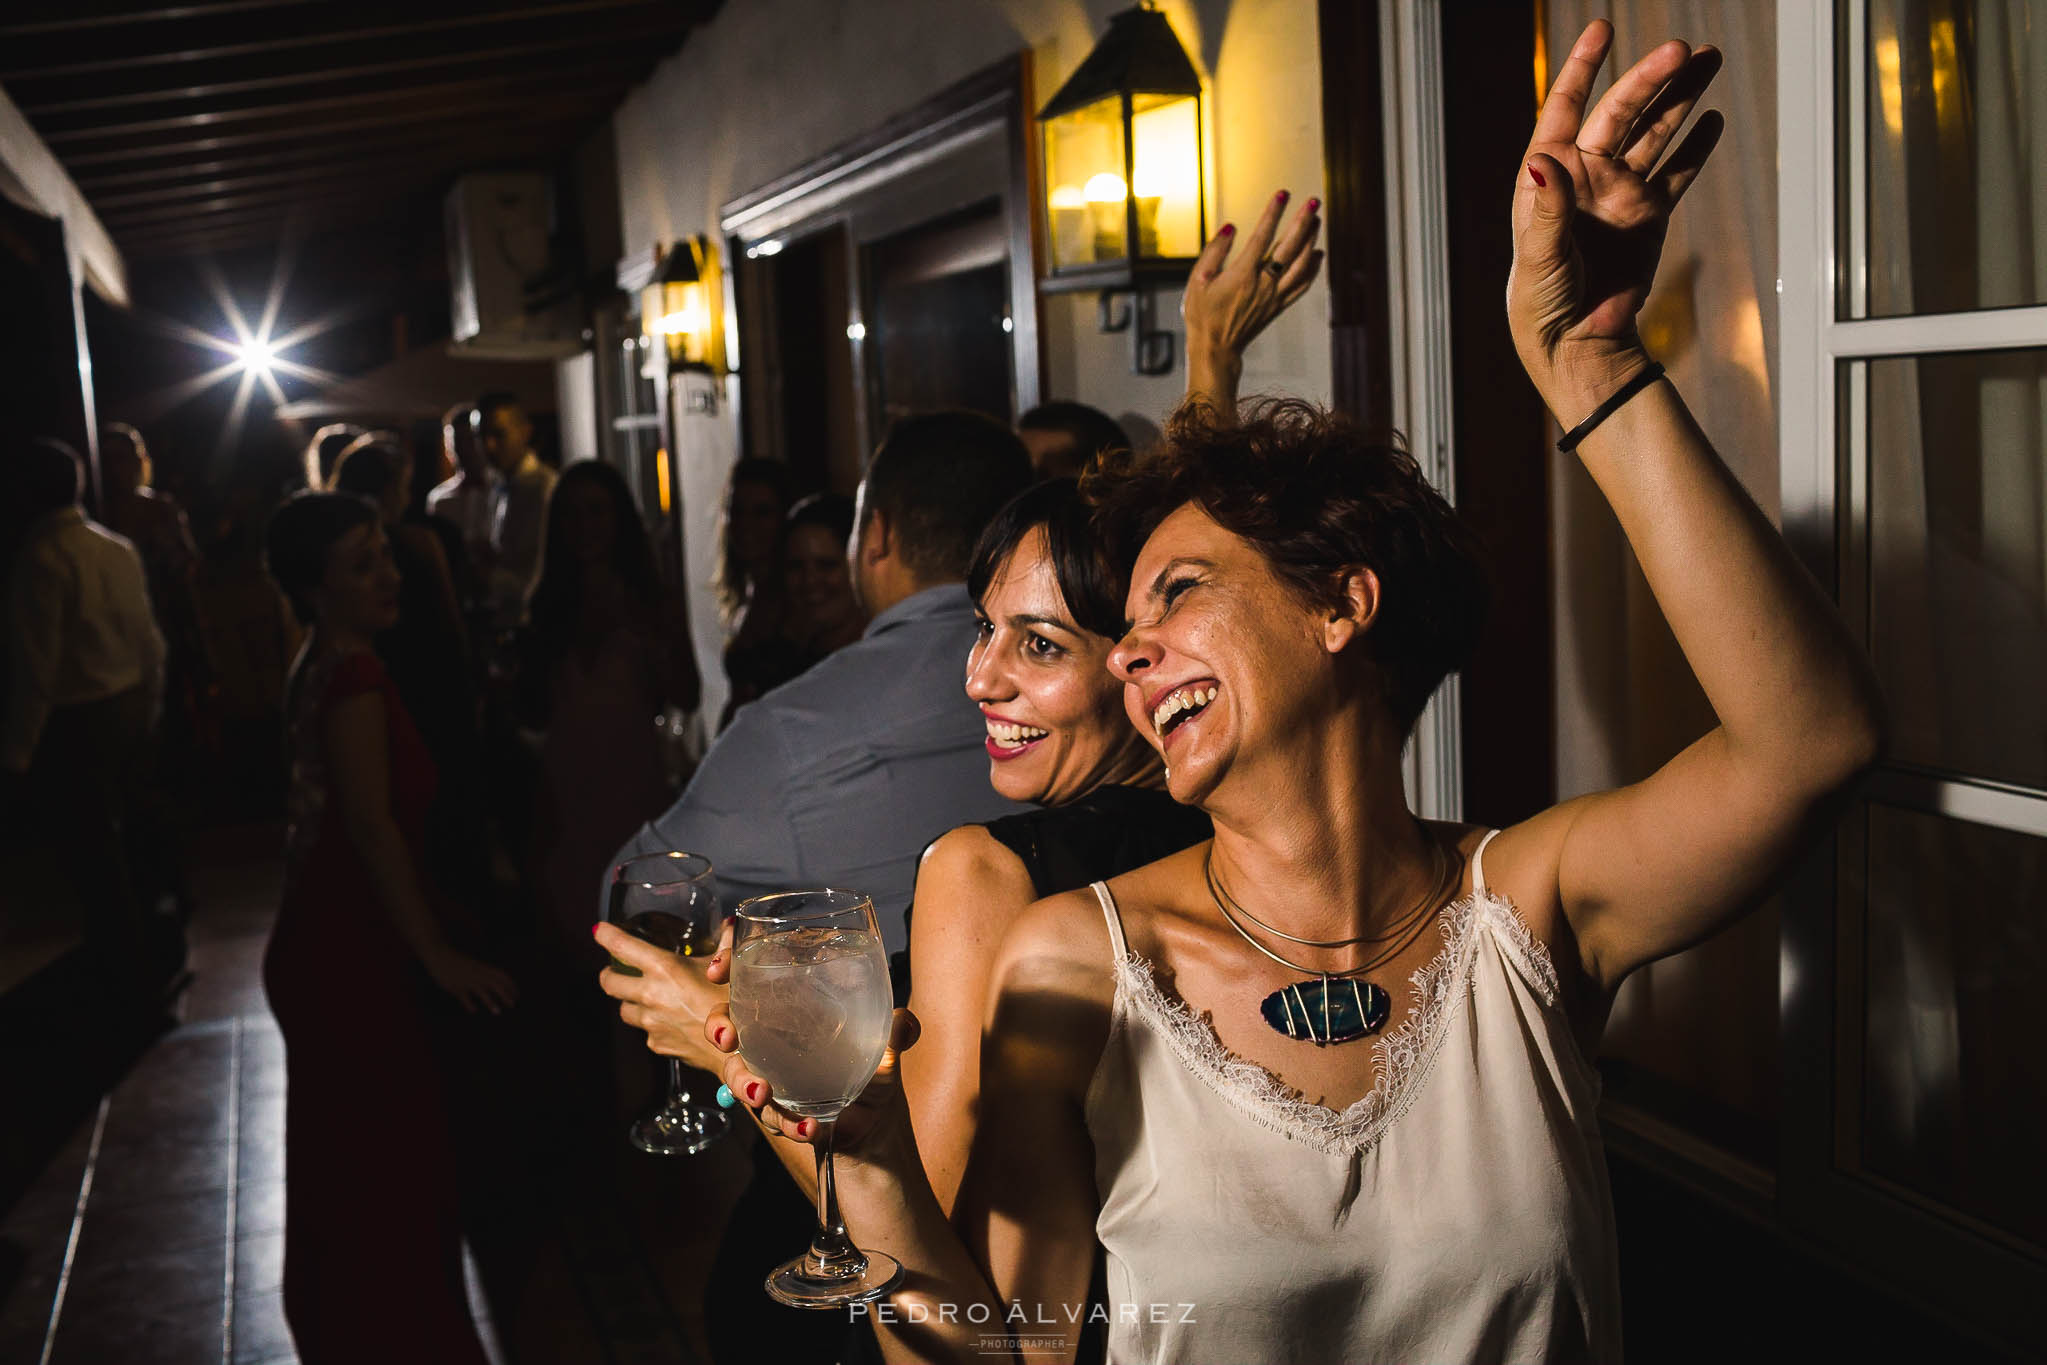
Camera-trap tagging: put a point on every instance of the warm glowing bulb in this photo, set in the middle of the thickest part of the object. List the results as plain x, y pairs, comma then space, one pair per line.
1106, 189
1068, 197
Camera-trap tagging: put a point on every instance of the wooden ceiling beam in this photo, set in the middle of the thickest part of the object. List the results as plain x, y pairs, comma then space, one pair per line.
311, 176
426, 99
107, 13
398, 142
150, 50
548, 52
282, 197
566, 110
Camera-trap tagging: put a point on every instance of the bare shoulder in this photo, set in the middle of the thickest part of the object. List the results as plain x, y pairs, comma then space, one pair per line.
970, 855
1521, 866
1059, 943
970, 890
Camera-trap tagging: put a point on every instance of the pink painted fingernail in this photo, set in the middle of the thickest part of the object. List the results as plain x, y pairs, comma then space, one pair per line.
1314, 204
1536, 176
1281, 196
1227, 230
594, 928
753, 1092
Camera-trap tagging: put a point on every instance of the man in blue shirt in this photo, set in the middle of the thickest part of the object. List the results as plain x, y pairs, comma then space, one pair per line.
842, 776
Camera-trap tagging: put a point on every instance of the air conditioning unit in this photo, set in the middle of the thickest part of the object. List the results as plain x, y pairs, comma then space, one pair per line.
508, 301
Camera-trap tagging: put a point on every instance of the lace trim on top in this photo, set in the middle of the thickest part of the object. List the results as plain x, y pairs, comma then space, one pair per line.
1403, 1057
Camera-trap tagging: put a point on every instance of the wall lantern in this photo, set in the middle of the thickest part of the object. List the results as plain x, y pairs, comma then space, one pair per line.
1125, 197
684, 306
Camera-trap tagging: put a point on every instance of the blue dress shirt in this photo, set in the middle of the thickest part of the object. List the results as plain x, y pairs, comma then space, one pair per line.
842, 776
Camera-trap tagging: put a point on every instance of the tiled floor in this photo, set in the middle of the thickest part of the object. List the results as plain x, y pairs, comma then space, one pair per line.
157, 1233
154, 1234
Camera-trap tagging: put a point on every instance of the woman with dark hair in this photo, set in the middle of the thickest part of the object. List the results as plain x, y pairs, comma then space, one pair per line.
824, 614
1057, 737
606, 650
427, 648
1170, 1065
751, 600
371, 1212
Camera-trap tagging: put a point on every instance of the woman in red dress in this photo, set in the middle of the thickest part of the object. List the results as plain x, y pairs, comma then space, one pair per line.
372, 1259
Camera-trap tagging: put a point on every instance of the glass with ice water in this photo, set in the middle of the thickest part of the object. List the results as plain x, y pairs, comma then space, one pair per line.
671, 901
812, 1004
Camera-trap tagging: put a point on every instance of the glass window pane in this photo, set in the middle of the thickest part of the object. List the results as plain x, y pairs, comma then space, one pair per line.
1954, 1102
1956, 120
1958, 559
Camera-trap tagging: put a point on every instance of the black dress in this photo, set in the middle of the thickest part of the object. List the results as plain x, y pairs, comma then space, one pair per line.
1110, 831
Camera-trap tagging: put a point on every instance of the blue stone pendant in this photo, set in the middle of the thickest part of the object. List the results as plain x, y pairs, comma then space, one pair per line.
1327, 1011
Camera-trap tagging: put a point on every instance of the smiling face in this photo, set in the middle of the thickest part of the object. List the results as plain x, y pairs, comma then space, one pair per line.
1056, 728
359, 592
1225, 665
816, 575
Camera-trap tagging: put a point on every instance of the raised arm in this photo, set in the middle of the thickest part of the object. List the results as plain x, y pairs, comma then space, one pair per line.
1236, 290
1649, 869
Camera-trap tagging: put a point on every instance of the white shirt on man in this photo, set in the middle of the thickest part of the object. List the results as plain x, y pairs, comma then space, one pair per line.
80, 624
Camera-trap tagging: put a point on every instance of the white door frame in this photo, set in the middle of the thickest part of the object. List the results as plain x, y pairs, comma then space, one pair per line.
1411, 93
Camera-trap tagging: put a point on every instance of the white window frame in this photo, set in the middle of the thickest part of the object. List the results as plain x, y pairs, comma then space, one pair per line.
1963, 1271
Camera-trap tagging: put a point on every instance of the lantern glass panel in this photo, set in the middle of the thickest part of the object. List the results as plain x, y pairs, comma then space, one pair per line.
1166, 134
1087, 195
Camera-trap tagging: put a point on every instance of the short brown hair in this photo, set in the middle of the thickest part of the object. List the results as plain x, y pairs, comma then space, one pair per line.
1315, 495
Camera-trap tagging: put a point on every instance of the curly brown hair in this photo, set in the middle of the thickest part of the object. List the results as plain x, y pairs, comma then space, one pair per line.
1315, 495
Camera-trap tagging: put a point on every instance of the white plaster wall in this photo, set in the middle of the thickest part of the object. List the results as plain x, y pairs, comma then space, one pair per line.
770, 84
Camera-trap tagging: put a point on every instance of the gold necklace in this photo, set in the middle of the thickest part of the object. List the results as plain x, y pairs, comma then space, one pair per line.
1296, 1008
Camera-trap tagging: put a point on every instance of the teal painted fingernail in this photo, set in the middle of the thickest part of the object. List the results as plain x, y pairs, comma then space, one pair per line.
726, 1099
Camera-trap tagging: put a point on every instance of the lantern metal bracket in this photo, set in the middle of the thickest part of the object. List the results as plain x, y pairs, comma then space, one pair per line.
1133, 310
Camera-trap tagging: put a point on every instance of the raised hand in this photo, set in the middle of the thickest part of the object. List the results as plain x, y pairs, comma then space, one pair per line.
1591, 209
1236, 289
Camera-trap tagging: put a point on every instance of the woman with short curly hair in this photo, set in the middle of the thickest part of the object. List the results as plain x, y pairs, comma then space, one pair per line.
1320, 1086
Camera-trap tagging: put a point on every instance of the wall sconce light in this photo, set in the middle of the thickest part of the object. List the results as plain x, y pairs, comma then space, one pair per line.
1126, 206
684, 306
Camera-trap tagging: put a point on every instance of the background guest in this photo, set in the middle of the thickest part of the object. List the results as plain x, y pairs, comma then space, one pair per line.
824, 612
371, 1203
504, 435
749, 581
466, 499
426, 649
1063, 436
84, 683
155, 524
323, 452
606, 651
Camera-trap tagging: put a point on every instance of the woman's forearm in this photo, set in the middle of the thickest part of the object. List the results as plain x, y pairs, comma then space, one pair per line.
944, 1309
393, 877
1789, 685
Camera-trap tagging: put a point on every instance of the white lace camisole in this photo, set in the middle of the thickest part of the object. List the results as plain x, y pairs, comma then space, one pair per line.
1460, 1212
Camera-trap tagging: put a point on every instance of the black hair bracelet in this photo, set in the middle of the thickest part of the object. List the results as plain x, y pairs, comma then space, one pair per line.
1610, 406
